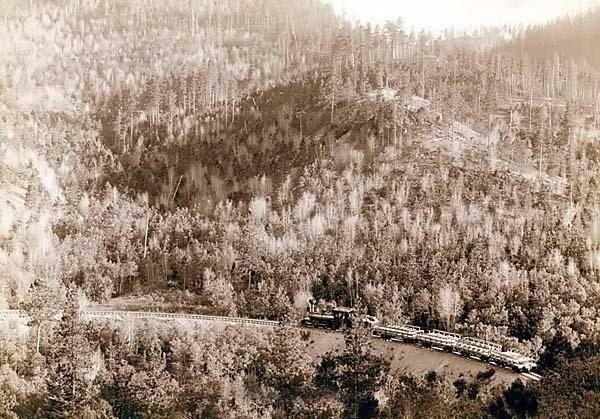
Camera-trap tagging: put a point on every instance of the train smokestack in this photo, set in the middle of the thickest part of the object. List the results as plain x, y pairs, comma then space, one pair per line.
311, 305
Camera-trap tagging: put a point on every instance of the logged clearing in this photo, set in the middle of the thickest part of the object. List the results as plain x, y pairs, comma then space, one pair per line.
412, 359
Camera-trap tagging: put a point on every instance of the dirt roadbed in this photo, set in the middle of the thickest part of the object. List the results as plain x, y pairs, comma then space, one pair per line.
414, 359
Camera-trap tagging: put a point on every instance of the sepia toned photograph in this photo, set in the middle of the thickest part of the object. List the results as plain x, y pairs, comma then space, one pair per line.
299, 209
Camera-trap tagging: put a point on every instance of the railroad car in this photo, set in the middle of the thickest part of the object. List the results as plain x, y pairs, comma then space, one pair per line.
514, 360
479, 349
440, 340
406, 333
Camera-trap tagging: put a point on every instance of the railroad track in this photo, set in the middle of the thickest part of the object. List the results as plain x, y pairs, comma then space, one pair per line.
10, 314
147, 315
531, 376
96, 314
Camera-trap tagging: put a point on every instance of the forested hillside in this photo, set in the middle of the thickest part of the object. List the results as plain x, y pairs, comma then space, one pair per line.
239, 157
573, 38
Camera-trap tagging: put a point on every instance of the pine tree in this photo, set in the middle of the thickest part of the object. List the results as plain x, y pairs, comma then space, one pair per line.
72, 390
43, 304
288, 368
333, 89
562, 141
358, 374
564, 131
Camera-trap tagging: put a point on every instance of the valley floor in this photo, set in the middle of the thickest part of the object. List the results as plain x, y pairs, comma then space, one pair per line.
415, 360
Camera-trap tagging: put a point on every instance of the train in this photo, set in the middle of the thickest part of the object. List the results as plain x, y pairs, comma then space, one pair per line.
474, 348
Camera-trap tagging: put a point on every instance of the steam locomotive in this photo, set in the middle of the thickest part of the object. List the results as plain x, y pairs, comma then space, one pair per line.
334, 318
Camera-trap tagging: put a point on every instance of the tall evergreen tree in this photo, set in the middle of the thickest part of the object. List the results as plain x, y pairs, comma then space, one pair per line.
43, 304
358, 374
562, 142
72, 388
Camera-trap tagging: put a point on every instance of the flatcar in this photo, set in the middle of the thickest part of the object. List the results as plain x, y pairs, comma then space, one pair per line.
478, 349
398, 333
514, 360
439, 339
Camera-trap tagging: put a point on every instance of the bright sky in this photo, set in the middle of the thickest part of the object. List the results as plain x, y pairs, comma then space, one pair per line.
462, 14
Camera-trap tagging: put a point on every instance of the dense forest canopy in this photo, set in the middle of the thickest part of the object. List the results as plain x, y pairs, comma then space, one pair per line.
240, 157
573, 38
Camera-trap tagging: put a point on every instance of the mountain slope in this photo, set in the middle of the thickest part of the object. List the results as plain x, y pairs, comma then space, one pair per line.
573, 38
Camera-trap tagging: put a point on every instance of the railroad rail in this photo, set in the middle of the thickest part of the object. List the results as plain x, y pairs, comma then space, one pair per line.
5, 314
147, 315
95, 314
